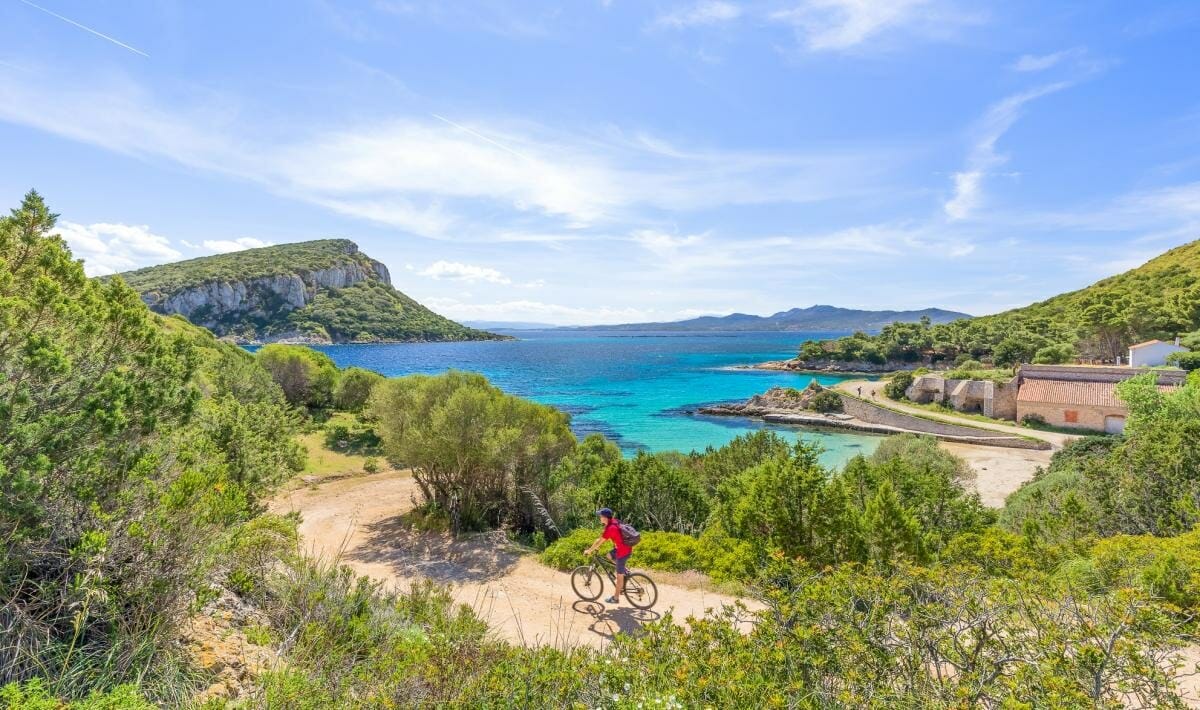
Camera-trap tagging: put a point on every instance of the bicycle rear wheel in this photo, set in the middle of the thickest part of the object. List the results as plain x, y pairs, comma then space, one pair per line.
587, 582
640, 590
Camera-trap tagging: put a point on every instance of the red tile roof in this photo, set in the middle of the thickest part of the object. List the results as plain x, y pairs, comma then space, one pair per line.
1095, 394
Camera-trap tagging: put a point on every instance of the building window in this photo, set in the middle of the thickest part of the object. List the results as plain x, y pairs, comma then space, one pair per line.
1071, 416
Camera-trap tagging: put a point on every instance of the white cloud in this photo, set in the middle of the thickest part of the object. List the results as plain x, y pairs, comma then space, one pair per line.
537, 311
430, 175
224, 246
1034, 62
664, 245
188, 244
111, 248
840, 25
968, 183
455, 271
705, 12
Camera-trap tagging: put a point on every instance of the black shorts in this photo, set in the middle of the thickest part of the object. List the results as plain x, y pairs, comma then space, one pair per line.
619, 561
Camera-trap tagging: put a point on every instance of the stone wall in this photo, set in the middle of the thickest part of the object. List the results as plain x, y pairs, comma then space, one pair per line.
1004, 400
875, 414
1088, 417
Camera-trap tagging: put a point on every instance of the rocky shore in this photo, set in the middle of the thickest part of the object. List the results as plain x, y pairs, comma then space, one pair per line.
854, 367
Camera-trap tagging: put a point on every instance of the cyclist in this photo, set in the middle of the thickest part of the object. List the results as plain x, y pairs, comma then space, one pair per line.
620, 552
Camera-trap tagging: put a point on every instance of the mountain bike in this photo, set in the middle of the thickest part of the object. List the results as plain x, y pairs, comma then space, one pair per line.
588, 582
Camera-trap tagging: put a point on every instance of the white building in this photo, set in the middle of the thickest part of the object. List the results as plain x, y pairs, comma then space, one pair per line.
1152, 353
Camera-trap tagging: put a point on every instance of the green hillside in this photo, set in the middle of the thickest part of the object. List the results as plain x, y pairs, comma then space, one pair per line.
1160, 299
326, 290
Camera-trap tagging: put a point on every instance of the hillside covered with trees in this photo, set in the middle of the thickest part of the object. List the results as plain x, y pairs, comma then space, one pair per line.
318, 291
1160, 299
138, 454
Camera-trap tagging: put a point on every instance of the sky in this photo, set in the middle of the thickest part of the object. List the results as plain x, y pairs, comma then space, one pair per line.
598, 161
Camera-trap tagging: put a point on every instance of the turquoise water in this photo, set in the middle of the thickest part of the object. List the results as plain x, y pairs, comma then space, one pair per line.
638, 389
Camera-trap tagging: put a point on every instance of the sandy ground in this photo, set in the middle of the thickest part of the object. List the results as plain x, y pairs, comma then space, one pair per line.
999, 471
523, 600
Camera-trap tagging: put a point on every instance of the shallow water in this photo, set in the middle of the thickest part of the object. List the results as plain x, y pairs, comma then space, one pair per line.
635, 388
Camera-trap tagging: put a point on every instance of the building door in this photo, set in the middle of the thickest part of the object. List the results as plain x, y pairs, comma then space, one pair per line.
1114, 424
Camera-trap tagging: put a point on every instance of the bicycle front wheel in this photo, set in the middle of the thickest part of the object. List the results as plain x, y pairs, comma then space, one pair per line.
587, 583
640, 590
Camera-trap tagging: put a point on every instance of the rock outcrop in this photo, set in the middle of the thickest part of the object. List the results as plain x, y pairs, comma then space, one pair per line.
304, 292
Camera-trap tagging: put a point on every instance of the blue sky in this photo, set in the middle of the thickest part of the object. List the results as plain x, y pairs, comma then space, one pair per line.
621, 160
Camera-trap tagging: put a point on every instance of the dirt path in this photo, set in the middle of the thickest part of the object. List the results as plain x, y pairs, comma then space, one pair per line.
999, 471
523, 600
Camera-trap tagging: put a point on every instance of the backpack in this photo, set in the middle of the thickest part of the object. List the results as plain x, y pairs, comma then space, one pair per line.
629, 535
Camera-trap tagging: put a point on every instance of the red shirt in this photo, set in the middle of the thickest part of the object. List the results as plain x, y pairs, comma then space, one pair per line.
612, 531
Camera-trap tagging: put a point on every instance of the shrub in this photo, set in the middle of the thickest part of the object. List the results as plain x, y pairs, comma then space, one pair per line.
667, 551
898, 385
476, 452
1054, 354
354, 388
1168, 568
1186, 361
826, 401
371, 465
1033, 420
308, 378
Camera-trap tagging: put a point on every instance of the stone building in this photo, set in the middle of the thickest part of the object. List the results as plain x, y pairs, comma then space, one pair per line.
1071, 396
1080, 397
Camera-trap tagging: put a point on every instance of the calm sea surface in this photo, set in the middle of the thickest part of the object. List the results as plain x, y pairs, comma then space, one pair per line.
635, 388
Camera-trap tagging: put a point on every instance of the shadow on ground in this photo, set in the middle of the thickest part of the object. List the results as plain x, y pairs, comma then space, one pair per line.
437, 556
608, 622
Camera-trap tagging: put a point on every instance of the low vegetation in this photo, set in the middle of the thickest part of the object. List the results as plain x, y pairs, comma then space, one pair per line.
138, 451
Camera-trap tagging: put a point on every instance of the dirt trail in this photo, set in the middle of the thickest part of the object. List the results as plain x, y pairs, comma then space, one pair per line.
523, 600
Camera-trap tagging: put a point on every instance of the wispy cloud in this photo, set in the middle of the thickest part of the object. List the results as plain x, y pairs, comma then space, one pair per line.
705, 12
108, 248
225, 246
456, 271
540, 311
85, 28
1036, 62
431, 175
983, 158
840, 25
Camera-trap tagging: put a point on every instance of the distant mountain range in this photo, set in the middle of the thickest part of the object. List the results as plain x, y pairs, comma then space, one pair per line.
818, 318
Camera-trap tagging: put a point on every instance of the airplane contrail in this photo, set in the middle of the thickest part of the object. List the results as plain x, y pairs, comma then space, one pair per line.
481, 137
68, 20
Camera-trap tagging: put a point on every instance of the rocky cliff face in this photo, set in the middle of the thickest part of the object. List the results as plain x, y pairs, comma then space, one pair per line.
287, 291
215, 303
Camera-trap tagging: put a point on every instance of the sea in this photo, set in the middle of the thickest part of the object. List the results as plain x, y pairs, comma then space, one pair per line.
639, 389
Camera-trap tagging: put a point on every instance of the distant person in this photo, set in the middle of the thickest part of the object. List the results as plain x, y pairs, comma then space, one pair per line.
860, 391
620, 552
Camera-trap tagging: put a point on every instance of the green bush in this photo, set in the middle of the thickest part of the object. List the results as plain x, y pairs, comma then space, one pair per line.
667, 551
1186, 361
1054, 354
826, 401
1168, 568
354, 387
308, 378
480, 454
898, 385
